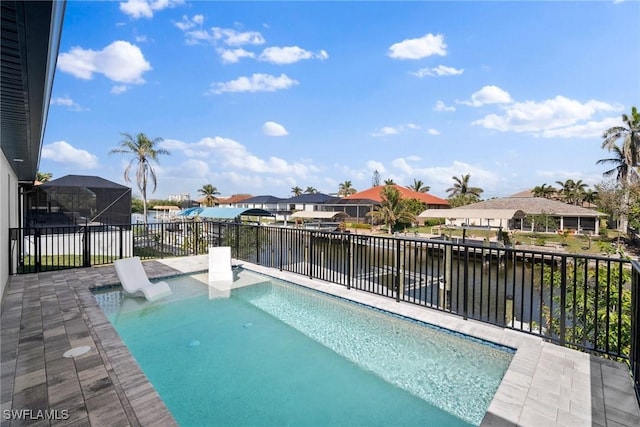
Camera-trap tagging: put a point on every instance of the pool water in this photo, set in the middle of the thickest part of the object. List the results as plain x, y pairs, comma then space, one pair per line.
274, 353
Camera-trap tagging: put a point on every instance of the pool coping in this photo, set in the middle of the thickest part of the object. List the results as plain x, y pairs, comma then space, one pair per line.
47, 313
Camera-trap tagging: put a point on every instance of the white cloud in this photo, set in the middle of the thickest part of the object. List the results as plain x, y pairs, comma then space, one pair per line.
440, 178
374, 165
274, 129
422, 47
63, 152
391, 130
145, 8
141, 39
189, 23
197, 168
590, 129
386, 130
440, 106
231, 37
289, 55
489, 95
231, 56
440, 70
118, 89
235, 157
195, 34
120, 61
65, 101
255, 83
557, 117
433, 132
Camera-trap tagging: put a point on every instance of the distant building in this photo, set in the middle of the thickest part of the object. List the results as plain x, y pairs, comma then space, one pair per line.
179, 197
519, 212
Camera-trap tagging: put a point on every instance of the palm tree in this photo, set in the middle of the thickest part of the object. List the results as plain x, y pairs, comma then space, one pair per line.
418, 186
630, 135
310, 190
461, 187
579, 190
43, 177
346, 189
296, 191
566, 190
389, 182
590, 196
627, 154
543, 190
462, 193
392, 209
209, 192
144, 151
622, 165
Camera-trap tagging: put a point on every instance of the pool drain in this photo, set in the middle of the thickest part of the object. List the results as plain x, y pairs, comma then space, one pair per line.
77, 351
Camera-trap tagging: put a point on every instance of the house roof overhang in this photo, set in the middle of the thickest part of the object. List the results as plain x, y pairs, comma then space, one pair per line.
31, 33
486, 214
319, 215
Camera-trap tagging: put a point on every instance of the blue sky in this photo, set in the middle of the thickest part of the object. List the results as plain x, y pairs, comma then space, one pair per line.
258, 97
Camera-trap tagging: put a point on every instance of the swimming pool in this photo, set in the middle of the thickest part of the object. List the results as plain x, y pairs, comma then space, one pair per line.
274, 353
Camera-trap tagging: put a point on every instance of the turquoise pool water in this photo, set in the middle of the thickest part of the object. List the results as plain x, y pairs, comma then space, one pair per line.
276, 354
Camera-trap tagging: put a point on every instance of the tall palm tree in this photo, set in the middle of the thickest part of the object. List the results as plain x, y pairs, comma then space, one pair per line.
543, 190
143, 151
627, 154
419, 186
630, 135
209, 192
461, 187
622, 165
296, 191
346, 189
393, 209
44, 177
389, 181
461, 193
310, 190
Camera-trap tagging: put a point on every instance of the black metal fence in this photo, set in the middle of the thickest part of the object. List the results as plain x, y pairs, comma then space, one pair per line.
584, 302
634, 357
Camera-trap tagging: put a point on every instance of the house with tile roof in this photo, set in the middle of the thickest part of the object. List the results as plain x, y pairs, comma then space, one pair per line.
562, 216
359, 204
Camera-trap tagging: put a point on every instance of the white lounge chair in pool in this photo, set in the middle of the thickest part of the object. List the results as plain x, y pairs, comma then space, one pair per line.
220, 264
135, 281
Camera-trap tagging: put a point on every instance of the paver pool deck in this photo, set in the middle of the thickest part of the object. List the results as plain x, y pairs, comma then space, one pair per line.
44, 315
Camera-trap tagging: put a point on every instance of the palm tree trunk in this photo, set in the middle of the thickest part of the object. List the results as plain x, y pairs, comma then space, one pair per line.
144, 207
624, 219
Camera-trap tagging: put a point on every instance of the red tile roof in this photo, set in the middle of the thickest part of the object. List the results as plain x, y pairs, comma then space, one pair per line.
373, 193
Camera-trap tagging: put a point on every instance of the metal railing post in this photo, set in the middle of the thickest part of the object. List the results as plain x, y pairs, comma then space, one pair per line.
563, 300
349, 260
86, 251
634, 357
465, 284
399, 271
257, 243
280, 237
